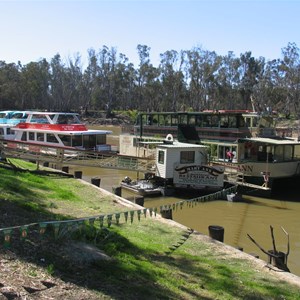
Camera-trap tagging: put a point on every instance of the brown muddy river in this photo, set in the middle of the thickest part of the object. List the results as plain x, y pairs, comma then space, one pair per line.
252, 217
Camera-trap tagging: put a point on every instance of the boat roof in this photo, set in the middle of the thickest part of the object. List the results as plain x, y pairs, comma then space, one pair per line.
65, 132
271, 141
49, 113
6, 111
177, 145
202, 112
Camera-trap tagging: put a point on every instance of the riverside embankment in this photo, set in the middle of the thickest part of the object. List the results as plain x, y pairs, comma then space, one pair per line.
144, 257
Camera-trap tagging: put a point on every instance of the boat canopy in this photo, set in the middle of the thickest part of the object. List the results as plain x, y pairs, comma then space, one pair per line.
270, 141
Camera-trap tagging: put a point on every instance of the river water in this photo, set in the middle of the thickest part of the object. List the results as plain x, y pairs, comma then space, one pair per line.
253, 217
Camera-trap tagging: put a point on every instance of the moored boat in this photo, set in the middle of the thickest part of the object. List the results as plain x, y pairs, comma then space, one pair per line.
262, 158
141, 187
55, 129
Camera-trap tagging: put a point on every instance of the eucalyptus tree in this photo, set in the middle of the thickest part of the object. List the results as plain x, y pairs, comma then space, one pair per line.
89, 84
249, 71
57, 70
201, 68
148, 84
267, 94
125, 78
106, 97
35, 85
10, 86
72, 83
172, 77
290, 78
65, 83
227, 79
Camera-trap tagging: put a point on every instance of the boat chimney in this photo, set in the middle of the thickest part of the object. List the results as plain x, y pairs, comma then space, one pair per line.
169, 139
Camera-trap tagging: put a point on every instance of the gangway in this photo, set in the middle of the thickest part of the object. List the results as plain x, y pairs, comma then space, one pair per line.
63, 156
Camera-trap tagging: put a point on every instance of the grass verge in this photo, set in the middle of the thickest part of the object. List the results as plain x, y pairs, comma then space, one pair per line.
145, 257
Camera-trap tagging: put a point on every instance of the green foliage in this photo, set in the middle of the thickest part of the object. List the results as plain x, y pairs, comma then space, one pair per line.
50, 269
202, 80
132, 114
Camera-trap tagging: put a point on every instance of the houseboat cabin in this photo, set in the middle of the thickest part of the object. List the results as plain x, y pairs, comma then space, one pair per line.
186, 166
5, 115
58, 130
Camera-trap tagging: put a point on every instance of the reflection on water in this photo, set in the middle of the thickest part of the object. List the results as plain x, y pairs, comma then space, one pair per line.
253, 217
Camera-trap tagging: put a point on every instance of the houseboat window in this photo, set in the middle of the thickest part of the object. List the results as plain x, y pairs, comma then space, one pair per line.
214, 121
224, 122
68, 119
89, 141
167, 120
183, 119
174, 120
288, 152
187, 157
198, 120
40, 136
232, 122
255, 122
161, 157
66, 140
206, 121
31, 136
23, 137
149, 120
1, 131
51, 138
223, 152
265, 153
77, 141
100, 139
39, 119
247, 122
192, 120
240, 121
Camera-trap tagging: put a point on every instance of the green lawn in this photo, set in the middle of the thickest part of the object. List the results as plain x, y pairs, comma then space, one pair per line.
149, 259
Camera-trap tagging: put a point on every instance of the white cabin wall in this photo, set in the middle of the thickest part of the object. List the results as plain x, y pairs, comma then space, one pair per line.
172, 159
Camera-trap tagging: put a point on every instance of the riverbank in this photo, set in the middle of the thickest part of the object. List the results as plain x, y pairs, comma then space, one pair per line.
145, 255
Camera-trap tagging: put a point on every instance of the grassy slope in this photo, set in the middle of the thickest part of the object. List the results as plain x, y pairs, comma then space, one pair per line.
149, 259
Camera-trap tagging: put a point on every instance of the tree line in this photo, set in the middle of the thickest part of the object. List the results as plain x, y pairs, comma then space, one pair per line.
195, 79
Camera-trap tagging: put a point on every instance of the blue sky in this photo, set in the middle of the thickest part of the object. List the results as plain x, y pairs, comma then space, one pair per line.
31, 30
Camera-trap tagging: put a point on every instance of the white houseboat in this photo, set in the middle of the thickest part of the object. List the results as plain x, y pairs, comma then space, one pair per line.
56, 129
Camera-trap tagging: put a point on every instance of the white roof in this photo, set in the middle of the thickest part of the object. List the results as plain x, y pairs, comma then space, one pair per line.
178, 145
271, 141
84, 132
